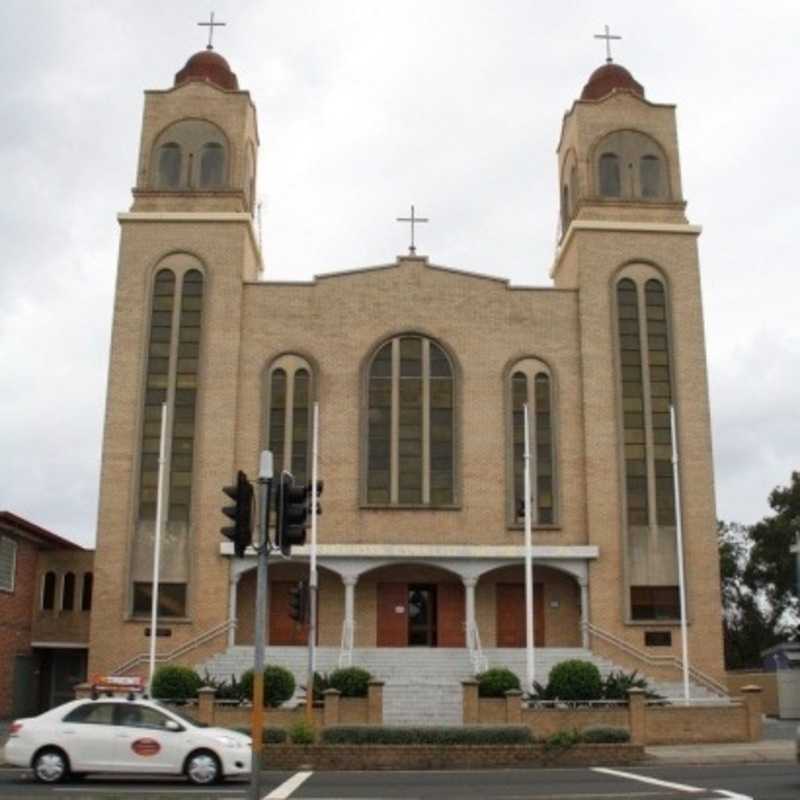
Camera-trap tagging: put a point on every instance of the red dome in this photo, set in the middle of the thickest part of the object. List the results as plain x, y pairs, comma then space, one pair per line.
208, 65
606, 79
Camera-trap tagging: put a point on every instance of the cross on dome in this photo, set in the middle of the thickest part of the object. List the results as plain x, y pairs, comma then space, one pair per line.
211, 25
608, 37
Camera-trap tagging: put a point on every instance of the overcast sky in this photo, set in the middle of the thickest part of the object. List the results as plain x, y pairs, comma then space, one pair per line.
364, 108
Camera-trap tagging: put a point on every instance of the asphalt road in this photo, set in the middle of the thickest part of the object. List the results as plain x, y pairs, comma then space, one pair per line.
735, 782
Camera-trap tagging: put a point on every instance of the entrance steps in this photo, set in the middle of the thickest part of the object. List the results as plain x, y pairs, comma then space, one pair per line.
422, 686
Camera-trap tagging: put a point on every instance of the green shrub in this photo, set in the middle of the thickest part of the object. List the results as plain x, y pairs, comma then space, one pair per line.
278, 685
575, 680
172, 682
562, 740
268, 735
321, 683
302, 732
225, 689
496, 682
434, 735
604, 734
350, 681
618, 683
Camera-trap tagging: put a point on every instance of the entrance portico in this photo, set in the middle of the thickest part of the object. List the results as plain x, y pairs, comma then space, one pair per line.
426, 595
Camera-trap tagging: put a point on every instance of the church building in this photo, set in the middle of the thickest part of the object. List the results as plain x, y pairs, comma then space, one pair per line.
421, 371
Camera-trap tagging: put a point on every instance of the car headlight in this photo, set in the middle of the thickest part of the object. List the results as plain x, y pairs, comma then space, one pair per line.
229, 741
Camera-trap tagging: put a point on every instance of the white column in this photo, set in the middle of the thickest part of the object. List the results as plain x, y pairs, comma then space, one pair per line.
584, 615
469, 587
349, 582
233, 592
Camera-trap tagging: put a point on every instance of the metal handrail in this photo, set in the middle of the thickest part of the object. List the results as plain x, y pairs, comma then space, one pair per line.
186, 647
478, 659
656, 661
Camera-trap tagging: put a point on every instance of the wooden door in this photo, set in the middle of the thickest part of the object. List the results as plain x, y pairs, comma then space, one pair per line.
283, 630
392, 608
451, 614
511, 615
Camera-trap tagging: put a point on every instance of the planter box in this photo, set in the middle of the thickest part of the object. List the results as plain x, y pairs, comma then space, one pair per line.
422, 757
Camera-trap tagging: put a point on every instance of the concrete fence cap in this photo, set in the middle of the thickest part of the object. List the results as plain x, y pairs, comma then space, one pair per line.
469, 682
376, 683
636, 690
750, 689
331, 692
206, 690
513, 692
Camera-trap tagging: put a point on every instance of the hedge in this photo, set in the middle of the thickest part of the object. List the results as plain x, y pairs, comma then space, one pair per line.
575, 680
433, 735
604, 734
350, 681
496, 682
172, 682
278, 685
269, 735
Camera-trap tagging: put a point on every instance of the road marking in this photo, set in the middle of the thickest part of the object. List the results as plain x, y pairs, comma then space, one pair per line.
681, 787
288, 786
733, 795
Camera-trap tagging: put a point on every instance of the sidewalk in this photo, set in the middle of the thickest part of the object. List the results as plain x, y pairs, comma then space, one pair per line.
765, 751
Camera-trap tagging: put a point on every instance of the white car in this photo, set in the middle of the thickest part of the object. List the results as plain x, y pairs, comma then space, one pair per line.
114, 734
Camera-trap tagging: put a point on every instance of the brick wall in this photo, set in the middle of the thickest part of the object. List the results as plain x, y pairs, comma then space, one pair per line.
15, 621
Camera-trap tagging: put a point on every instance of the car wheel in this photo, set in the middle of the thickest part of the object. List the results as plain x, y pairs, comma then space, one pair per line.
202, 768
50, 765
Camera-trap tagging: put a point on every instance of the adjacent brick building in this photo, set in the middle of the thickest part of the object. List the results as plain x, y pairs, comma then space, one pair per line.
421, 372
45, 599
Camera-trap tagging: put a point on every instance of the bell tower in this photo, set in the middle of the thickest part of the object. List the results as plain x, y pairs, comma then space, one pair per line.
187, 249
628, 250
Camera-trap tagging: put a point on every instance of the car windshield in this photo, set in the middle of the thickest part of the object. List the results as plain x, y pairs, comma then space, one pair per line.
185, 717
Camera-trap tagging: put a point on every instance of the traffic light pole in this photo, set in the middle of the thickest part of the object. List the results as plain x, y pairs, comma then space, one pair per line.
313, 579
262, 548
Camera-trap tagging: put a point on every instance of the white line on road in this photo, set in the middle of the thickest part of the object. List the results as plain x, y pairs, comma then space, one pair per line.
733, 795
681, 787
288, 786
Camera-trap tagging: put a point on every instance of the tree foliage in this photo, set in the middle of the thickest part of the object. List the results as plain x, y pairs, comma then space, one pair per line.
759, 590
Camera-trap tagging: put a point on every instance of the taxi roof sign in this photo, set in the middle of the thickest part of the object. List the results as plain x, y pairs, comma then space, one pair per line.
118, 683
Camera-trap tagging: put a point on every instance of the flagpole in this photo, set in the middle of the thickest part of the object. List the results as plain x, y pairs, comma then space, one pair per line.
162, 460
312, 578
529, 645
679, 542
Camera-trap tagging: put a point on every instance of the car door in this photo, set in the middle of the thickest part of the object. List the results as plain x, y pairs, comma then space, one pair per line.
87, 735
142, 742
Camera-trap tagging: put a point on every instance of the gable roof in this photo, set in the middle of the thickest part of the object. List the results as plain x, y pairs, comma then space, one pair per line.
41, 535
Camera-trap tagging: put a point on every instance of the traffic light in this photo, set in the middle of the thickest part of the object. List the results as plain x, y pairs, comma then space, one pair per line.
292, 508
241, 532
298, 602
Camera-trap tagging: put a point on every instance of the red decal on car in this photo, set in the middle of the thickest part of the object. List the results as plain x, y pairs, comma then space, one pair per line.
145, 747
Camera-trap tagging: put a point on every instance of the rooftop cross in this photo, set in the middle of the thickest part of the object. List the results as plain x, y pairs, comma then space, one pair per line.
413, 220
608, 37
211, 25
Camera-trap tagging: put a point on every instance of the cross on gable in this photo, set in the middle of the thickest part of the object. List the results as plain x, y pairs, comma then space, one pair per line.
413, 220
608, 37
211, 25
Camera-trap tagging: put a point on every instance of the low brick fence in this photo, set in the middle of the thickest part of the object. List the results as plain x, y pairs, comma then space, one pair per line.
420, 757
766, 680
649, 722
334, 709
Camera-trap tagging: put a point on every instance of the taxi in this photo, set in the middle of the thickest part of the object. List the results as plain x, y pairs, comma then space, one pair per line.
124, 735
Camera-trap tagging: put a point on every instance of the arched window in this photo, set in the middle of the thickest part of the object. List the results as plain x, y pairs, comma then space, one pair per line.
86, 594
645, 365
68, 592
410, 425
609, 175
531, 384
564, 209
169, 165
49, 591
650, 176
289, 386
212, 165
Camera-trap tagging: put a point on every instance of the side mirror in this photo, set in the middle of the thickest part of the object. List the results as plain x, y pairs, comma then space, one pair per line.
171, 725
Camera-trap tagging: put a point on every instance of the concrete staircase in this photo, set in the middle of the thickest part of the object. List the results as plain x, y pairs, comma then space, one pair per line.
422, 685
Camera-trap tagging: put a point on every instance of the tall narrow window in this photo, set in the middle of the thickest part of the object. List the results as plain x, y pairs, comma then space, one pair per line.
531, 384
49, 591
157, 384
410, 425
68, 592
650, 176
660, 400
86, 594
8, 563
212, 166
609, 175
183, 424
564, 209
290, 395
169, 165
635, 446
